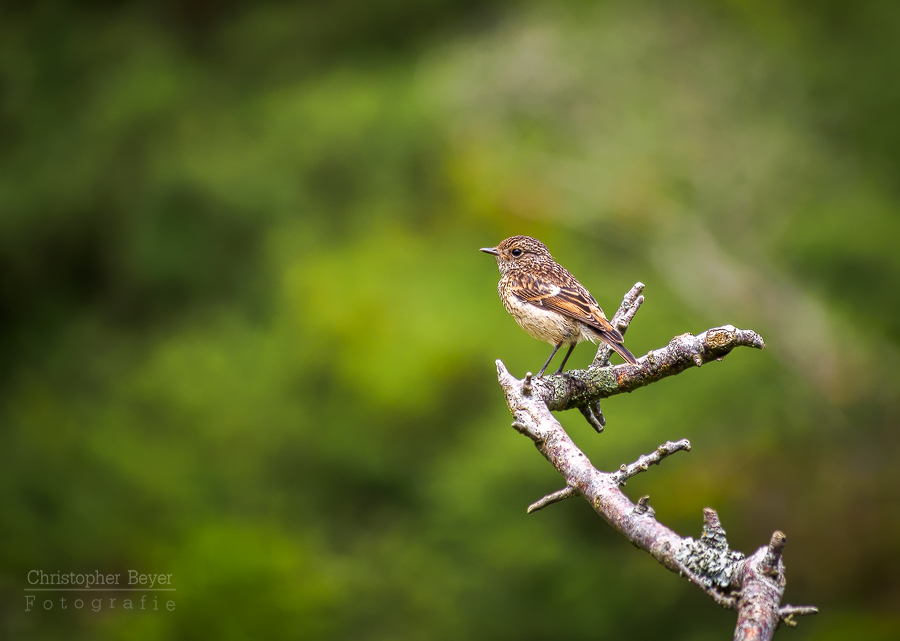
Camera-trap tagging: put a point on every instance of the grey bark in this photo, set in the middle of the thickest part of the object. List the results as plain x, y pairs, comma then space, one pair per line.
752, 585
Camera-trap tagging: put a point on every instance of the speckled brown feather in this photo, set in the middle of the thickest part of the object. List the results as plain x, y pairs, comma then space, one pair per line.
553, 287
547, 301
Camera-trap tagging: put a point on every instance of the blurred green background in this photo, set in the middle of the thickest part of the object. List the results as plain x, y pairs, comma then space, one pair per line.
246, 337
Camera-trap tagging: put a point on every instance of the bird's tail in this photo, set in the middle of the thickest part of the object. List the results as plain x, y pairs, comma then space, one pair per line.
612, 337
620, 349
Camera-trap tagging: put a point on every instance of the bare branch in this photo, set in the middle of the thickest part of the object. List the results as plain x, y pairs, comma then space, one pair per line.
556, 497
751, 585
773, 555
762, 588
786, 613
526, 384
577, 388
593, 415
643, 506
631, 303
646, 460
600, 489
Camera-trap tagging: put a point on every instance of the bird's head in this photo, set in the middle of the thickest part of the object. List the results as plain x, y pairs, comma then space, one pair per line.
519, 252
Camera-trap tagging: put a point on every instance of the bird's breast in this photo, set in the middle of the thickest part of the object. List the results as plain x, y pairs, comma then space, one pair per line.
542, 324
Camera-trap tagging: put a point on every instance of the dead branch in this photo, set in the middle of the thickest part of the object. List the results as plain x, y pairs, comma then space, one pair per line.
751, 585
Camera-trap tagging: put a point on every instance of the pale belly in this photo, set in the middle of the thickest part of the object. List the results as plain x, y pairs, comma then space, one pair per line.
548, 326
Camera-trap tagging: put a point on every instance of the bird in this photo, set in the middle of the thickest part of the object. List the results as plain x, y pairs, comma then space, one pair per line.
548, 302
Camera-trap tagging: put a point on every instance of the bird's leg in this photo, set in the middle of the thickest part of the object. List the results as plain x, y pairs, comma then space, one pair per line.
552, 354
563, 364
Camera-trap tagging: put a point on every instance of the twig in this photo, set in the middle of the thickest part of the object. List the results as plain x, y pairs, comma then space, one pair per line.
556, 497
646, 460
631, 303
593, 415
786, 613
643, 506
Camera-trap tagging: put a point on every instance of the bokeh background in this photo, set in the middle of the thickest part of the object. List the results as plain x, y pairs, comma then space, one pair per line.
246, 336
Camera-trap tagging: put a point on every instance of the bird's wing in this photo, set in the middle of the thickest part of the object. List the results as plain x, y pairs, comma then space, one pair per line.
572, 301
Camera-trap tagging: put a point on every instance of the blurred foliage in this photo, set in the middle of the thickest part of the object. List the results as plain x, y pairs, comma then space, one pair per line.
248, 340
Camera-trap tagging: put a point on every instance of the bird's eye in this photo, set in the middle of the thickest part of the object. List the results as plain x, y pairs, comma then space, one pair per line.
516, 252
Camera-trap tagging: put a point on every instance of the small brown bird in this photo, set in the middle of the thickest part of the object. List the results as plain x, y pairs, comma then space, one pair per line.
548, 302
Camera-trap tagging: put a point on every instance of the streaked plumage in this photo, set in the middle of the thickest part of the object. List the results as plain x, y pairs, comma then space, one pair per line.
548, 302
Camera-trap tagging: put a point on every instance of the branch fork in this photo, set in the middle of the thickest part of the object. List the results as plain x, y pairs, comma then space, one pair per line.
752, 585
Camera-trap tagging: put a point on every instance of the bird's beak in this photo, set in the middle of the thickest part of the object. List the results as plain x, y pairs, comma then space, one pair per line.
490, 250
